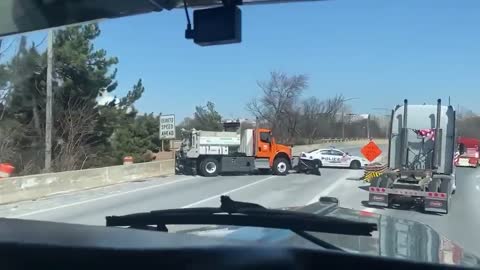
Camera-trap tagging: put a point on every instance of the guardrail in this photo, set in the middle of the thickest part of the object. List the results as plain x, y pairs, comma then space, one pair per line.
327, 140
40, 185
297, 149
333, 140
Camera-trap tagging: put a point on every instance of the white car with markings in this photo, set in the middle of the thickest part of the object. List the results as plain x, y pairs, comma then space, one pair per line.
335, 158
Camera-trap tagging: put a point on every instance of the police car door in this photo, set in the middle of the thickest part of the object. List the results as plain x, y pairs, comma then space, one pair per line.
336, 158
325, 157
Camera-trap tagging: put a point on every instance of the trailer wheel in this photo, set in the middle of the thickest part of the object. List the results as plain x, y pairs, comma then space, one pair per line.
209, 167
280, 166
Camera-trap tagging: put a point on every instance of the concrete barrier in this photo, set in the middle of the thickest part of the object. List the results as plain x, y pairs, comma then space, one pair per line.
36, 186
41, 185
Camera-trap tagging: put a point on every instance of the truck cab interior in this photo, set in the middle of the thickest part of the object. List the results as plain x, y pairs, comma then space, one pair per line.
89, 247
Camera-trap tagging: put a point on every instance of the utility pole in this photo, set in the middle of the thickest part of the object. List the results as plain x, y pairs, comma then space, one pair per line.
387, 120
49, 114
368, 126
343, 114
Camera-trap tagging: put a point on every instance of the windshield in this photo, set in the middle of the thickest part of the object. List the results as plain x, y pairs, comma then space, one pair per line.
126, 115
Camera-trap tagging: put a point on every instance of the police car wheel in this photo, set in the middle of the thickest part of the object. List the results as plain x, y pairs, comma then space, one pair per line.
355, 165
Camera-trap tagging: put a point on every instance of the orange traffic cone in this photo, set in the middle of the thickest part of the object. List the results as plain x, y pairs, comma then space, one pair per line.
6, 169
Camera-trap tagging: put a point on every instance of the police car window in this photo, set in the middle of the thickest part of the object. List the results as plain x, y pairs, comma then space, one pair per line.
325, 152
336, 153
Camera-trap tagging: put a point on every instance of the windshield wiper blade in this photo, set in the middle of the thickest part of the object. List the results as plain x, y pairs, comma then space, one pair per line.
235, 213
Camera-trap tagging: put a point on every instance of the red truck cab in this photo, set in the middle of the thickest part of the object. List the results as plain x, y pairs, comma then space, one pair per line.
468, 152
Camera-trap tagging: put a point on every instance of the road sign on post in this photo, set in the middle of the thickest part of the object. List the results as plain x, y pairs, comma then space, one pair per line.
371, 151
167, 127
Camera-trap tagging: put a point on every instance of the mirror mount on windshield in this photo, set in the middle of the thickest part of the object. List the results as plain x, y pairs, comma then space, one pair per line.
216, 26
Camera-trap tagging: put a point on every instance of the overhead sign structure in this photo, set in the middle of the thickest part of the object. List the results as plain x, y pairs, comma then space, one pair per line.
167, 127
371, 151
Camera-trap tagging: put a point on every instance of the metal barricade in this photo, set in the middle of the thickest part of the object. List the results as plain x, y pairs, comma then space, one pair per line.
373, 170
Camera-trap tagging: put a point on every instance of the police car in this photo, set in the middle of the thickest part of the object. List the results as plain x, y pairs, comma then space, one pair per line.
334, 158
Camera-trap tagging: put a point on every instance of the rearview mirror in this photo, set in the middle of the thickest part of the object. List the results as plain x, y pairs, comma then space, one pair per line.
216, 26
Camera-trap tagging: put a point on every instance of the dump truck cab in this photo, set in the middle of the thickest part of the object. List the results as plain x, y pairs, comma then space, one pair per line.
267, 147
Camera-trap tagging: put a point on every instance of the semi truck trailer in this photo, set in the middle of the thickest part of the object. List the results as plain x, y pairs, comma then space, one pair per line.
210, 153
420, 159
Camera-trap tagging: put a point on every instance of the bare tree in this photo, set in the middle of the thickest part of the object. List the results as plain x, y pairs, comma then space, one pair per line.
469, 126
319, 117
75, 128
313, 118
278, 105
8, 142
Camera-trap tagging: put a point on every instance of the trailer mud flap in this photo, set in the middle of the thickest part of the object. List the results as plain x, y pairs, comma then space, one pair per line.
436, 205
378, 199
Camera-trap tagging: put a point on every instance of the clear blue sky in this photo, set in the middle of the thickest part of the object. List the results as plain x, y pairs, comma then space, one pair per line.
379, 51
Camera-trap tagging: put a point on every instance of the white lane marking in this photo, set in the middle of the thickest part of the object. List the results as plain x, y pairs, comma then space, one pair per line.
333, 186
101, 198
228, 192
327, 191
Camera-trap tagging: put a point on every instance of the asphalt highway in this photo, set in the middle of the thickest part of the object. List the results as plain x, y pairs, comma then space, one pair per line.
91, 206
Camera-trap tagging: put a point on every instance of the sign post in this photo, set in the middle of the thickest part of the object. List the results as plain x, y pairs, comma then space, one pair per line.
167, 127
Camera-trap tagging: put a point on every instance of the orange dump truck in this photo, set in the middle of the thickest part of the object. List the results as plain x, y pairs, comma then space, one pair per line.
210, 153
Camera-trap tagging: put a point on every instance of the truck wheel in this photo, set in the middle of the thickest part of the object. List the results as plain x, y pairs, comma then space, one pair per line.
355, 165
280, 166
209, 167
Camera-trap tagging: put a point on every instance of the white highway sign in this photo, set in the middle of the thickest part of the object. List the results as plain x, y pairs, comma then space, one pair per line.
167, 126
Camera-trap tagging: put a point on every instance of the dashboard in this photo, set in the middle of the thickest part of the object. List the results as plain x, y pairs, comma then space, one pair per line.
28, 244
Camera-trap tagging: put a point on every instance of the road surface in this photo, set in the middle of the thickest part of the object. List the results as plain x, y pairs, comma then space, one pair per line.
91, 206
